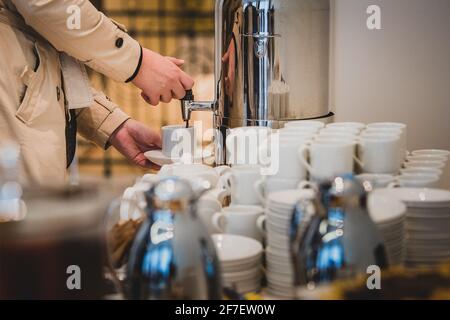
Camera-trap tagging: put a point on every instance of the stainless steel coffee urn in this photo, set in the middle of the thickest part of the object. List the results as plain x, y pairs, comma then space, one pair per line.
272, 63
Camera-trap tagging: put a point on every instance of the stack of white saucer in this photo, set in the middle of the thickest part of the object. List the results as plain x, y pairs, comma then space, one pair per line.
241, 262
389, 214
279, 209
427, 225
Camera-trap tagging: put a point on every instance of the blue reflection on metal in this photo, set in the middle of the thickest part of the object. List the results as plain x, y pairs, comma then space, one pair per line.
158, 259
331, 254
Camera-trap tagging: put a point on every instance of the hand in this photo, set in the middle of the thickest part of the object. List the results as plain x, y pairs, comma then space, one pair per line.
133, 139
161, 79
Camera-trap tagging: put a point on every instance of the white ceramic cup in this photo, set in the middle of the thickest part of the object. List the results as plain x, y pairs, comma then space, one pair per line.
149, 178
194, 172
286, 156
327, 159
341, 130
207, 207
336, 136
133, 201
300, 130
354, 125
178, 142
387, 125
293, 135
304, 124
241, 220
243, 145
390, 131
379, 154
268, 185
242, 179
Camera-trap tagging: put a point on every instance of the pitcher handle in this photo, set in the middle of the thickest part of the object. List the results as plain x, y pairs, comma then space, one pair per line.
219, 221
302, 151
259, 188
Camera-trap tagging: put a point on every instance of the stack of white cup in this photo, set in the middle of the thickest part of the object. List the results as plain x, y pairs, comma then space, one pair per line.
329, 150
377, 151
288, 171
382, 148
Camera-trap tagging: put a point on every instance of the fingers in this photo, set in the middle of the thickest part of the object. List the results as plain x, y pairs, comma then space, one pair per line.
166, 97
154, 101
141, 161
144, 96
147, 99
178, 62
186, 81
153, 166
178, 91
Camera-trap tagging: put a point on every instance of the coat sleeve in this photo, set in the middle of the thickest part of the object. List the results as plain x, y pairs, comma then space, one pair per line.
98, 122
96, 41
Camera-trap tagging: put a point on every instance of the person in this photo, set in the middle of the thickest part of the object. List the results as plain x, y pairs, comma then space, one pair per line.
45, 96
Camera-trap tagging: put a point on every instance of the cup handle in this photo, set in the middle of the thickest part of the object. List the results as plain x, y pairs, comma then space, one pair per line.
394, 185
220, 194
225, 181
358, 161
302, 156
307, 185
127, 204
149, 178
219, 221
261, 224
259, 188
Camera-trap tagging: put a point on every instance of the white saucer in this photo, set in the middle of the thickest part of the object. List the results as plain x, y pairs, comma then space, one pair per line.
158, 158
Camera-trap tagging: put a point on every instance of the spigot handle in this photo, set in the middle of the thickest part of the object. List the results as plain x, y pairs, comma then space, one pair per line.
185, 106
189, 96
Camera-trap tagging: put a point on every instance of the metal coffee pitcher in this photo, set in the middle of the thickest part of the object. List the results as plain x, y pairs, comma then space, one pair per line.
333, 237
173, 257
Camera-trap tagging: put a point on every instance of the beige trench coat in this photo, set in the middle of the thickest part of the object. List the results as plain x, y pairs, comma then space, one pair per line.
32, 108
